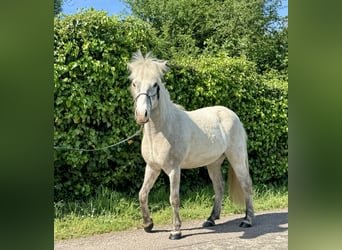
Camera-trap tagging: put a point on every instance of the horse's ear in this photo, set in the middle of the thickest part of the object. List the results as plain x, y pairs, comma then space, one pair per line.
137, 55
163, 65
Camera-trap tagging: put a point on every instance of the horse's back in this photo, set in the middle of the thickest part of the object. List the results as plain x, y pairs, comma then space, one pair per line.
220, 119
210, 117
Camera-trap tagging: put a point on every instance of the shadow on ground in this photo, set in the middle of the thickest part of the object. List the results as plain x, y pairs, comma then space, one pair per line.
263, 224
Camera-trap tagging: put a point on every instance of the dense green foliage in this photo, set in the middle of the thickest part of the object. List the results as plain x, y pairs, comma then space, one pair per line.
190, 27
93, 106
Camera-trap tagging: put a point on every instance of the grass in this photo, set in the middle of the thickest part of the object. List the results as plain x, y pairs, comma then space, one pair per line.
110, 211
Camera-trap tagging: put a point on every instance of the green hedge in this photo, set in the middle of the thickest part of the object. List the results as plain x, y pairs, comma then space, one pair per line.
93, 106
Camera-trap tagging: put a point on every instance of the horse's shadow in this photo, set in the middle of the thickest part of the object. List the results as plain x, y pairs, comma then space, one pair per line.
263, 224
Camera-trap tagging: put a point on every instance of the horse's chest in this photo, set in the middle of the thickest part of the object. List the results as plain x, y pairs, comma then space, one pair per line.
161, 152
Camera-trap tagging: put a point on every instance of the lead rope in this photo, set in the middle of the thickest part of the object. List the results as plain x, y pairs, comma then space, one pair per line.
97, 149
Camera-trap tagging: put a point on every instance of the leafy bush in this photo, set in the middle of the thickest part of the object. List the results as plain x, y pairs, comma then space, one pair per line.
93, 106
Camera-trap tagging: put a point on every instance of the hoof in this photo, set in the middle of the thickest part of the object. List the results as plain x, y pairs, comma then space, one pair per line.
245, 224
175, 235
208, 223
148, 229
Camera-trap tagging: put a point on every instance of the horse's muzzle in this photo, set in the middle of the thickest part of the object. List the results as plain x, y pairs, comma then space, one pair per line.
141, 118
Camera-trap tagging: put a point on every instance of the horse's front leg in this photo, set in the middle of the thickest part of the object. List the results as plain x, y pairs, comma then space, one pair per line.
150, 178
174, 177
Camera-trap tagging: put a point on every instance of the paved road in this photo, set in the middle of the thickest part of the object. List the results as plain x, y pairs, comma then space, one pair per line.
270, 231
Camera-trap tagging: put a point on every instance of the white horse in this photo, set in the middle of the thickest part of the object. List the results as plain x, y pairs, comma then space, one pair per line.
175, 139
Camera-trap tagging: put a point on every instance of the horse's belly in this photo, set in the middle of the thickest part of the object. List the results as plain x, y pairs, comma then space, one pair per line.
203, 153
196, 163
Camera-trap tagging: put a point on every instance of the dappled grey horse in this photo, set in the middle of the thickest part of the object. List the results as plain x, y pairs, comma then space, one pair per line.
175, 139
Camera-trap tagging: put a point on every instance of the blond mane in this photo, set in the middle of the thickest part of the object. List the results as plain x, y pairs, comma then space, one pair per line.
146, 67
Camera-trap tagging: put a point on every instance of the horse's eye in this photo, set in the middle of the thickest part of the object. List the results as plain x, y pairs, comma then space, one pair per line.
133, 84
155, 85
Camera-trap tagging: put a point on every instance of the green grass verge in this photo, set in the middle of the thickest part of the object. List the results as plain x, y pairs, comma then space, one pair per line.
110, 211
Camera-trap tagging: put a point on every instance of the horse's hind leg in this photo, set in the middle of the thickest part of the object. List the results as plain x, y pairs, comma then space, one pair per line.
151, 176
215, 174
240, 184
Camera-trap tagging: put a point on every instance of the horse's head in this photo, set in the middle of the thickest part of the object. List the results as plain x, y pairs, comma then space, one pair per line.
146, 74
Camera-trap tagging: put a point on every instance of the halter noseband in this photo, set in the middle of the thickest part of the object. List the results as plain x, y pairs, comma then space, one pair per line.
149, 96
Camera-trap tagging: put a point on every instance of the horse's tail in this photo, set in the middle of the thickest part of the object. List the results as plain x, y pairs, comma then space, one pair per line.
236, 192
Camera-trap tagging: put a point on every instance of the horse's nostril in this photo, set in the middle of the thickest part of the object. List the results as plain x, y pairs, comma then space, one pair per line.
146, 113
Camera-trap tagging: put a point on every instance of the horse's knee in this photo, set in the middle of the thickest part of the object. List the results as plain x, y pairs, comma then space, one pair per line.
174, 200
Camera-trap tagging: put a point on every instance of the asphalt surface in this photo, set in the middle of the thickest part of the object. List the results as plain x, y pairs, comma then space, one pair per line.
270, 231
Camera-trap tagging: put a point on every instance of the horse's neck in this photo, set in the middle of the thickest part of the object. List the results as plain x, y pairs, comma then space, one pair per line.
161, 120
